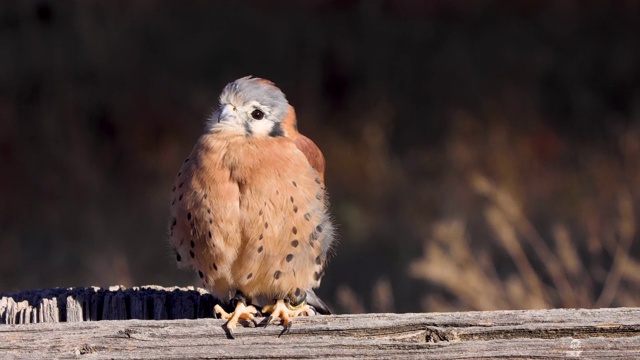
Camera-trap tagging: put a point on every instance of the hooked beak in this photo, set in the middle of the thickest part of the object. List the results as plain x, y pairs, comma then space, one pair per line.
226, 111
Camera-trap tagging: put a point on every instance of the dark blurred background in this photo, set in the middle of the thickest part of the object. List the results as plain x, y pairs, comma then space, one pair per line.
480, 154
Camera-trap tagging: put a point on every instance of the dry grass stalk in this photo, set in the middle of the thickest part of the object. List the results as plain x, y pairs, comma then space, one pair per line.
382, 295
516, 218
626, 233
449, 261
348, 300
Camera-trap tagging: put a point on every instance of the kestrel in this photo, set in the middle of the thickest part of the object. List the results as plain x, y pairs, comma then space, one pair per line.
249, 210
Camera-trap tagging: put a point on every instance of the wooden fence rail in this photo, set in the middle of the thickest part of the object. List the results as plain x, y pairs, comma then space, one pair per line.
54, 324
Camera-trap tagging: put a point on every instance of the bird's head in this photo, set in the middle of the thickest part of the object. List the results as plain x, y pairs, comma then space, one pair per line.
252, 106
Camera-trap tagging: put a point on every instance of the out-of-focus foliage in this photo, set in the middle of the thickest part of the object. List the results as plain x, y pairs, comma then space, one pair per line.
480, 154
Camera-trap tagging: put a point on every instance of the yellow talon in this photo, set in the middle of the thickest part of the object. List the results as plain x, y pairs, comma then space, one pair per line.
241, 311
283, 311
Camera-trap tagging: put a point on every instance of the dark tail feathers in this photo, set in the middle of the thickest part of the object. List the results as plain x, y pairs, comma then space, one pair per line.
317, 303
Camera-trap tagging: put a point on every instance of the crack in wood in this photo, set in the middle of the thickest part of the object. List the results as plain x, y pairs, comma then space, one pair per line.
543, 334
87, 349
435, 335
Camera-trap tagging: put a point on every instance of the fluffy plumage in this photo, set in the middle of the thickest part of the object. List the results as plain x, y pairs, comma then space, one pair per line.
248, 209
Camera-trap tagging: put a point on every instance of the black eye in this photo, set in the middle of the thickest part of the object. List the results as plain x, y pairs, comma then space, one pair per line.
257, 114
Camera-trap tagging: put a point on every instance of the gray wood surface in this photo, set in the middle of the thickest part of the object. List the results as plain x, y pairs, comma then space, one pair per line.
543, 334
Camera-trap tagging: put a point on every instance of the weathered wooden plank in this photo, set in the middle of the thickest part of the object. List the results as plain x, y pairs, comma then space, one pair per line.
543, 334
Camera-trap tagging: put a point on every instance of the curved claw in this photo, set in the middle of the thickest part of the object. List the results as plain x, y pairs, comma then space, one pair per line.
284, 312
268, 321
242, 311
229, 332
286, 329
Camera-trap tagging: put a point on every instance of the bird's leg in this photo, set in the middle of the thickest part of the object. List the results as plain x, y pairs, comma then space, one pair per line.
242, 311
285, 309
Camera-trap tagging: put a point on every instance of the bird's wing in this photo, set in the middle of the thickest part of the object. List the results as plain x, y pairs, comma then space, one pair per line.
304, 144
312, 153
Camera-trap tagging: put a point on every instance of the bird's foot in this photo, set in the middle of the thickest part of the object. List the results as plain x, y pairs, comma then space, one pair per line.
242, 311
285, 311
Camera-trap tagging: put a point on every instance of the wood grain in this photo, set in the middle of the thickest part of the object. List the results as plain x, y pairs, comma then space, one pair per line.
543, 334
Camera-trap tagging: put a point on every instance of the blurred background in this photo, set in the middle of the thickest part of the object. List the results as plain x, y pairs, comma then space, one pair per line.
480, 154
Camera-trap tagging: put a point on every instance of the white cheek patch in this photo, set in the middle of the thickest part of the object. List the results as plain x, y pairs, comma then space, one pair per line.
261, 127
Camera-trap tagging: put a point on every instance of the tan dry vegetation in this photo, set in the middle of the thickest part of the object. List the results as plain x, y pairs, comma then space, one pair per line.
557, 271
580, 251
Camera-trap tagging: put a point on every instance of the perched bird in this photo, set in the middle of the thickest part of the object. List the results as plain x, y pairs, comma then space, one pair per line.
249, 207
